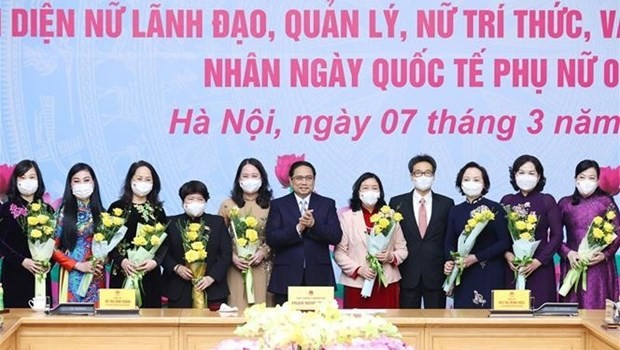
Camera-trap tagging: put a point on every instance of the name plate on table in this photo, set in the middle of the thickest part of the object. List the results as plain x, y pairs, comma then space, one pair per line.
612, 314
117, 299
511, 300
309, 298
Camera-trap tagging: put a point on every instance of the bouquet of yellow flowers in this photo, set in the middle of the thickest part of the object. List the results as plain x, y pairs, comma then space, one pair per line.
522, 227
479, 218
110, 231
38, 224
195, 238
283, 327
600, 234
378, 240
145, 244
247, 243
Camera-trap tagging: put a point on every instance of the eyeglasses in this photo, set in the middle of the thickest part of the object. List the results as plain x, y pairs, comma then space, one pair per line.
300, 178
419, 173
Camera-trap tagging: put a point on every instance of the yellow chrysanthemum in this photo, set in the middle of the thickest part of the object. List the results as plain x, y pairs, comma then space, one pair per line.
33, 221
194, 226
598, 221
159, 227
107, 221
118, 221
610, 215
105, 215
472, 222
234, 211
98, 237
478, 216
532, 219
385, 209
139, 241
530, 227
609, 238
520, 225
191, 256
155, 240
514, 216
192, 235
36, 233
251, 221
252, 235
526, 236
202, 254
608, 228
489, 215
398, 217
375, 217
598, 233
146, 229
48, 230
117, 211
242, 242
198, 246
35, 207
377, 229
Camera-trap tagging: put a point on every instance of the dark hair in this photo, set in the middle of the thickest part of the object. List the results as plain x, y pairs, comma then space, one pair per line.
422, 158
69, 207
20, 169
355, 202
299, 163
581, 167
264, 192
485, 177
127, 192
192, 187
518, 163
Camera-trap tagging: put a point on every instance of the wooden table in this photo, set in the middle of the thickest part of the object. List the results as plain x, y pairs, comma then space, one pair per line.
197, 329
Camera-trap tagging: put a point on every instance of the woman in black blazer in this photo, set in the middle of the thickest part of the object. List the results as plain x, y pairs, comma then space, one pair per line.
177, 275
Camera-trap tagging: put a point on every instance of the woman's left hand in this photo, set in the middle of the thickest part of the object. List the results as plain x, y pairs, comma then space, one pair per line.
597, 258
385, 257
204, 283
147, 265
98, 269
258, 257
531, 267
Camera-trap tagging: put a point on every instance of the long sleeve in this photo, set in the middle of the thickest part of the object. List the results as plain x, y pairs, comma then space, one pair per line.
59, 256
610, 250
327, 230
163, 248
502, 242
545, 255
279, 234
223, 260
115, 254
451, 236
341, 251
10, 232
400, 245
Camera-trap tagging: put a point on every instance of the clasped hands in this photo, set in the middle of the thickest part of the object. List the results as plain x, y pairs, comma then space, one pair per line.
574, 259
522, 270
306, 220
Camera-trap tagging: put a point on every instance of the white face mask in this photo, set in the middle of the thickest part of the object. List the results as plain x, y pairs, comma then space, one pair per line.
423, 182
370, 197
141, 188
526, 182
27, 187
195, 209
250, 185
471, 188
586, 187
82, 191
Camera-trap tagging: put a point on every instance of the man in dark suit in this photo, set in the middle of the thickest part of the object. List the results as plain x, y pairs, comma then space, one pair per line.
425, 218
300, 227
177, 275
